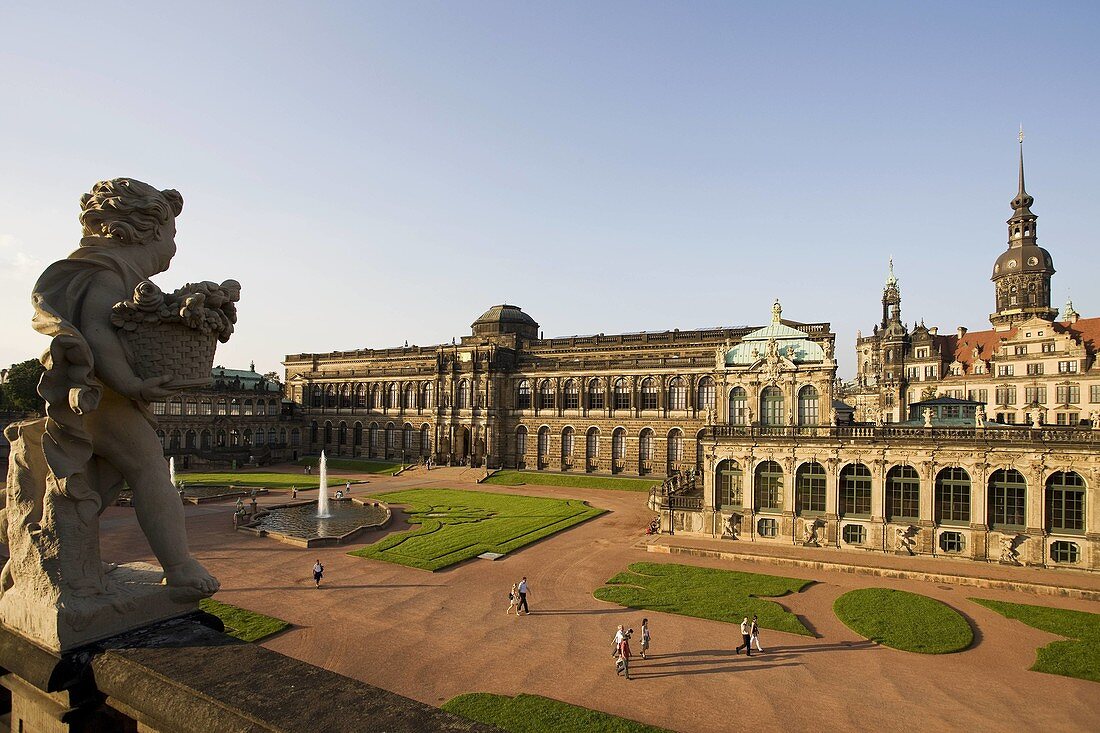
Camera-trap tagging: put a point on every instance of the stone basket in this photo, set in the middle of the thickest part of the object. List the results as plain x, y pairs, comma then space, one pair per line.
159, 349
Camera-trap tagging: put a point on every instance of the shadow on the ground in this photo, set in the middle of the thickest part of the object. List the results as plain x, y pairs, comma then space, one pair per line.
308, 583
577, 612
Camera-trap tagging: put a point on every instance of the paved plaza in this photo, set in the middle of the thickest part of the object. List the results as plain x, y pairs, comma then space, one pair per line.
432, 636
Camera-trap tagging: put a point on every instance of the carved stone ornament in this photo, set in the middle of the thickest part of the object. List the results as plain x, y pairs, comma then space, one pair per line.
810, 532
903, 540
1009, 554
118, 342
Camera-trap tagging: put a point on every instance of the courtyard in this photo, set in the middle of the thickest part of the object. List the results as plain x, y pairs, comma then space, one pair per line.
435, 636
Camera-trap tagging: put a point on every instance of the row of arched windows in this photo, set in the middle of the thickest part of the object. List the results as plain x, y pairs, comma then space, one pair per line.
542, 394
190, 440
773, 409
386, 438
1006, 505
571, 447
375, 396
217, 406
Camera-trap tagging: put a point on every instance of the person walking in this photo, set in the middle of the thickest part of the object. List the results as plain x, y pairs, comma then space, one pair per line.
293, 492
754, 633
645, 636
745, 636
624, 654
347, 488
513, 600
318, 572
523, 590
618, 639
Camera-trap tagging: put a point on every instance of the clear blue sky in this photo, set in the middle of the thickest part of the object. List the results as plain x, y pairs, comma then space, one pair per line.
376, 172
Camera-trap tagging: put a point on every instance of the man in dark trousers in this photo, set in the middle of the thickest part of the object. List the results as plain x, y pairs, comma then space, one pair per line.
746, 637
523, 597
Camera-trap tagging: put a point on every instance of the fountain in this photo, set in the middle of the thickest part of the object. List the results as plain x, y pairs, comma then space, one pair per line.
172, 470
322, 493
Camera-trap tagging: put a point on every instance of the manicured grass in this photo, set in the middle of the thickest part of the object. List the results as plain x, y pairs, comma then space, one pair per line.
906, 621
582, 481
1079, 656
264, 480
458, 525
353, 464
534, 714
241, 623
720, 595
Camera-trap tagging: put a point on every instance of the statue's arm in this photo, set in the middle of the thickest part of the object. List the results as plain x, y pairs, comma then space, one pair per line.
111, 365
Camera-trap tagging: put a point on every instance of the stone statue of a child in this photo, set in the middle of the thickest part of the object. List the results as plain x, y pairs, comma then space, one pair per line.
98, 430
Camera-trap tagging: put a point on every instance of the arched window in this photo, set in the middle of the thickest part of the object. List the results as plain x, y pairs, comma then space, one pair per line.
257, 439
592, 445
191, 407
206, 440
546, 395
426, 396
282, 436
206, 407
1007, 495
771, 406
903, 494
649, 393
705, 395
410, 436
391, 437
425, 440
807, 406
855, 490
677, 394
809, 488
392, 396
521, 444
463, 394
221, 407
595, 395
567, 444
295, 438
621, 394
313, 432
675, 446
271, 436
376, 396
174, 440
699, 446
361, 396
769, 486
234, 438
645, 445
221, 438
543, 443
317, 398
357, 435
189, 440
523, 395
342, 436
328, 433
234, 406
175, 406
410, 397
1065, 502
952, 502
273, 407
373, 438
727, 480
261, 407
330, 395
345, 396
571, 396
618, 448
739, 414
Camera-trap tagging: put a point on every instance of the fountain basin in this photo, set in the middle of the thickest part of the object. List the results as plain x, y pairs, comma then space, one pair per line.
298, 524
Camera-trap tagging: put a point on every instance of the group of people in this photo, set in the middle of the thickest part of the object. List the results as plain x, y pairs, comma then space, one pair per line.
750, 634
620, 651
517, 597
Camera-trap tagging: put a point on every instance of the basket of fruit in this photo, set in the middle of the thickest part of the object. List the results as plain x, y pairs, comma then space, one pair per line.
175, 334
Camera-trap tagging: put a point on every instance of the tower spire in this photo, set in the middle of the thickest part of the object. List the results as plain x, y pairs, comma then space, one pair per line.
1022, 203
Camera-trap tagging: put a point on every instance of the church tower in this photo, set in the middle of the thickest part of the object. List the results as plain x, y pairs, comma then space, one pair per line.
1021, 275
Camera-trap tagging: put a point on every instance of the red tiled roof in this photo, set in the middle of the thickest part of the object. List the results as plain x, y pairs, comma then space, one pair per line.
1086, 330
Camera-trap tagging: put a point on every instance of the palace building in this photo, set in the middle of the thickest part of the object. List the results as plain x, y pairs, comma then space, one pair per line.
633, 404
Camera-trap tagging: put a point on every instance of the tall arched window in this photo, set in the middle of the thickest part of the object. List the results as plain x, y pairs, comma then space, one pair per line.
261, 407
328, 433
410, 436
699, 446
727, 480
342, 436
523, 395
392, 396
807, 406
331, 396
567, 445
855, 490
595, 395
295, 438
592, 446
543, 443
771, 406
357, 434
313, 432
376, 396
739, 414
645, 445
649, 393
317, 396
952, 496
546, 395
571, 396
677, 394
705, 395
345, 396
903, 494
426, 396
463, 394
675, 447
618, 449
1065, 503
1007, 495
410, 397
234, 406
361, 396
373, 443
809, 488
769, 486
622, 394
391, 437
521, 445
425, 440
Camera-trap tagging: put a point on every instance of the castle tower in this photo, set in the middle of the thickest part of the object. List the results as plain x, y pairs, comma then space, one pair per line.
1021, 275
891, 299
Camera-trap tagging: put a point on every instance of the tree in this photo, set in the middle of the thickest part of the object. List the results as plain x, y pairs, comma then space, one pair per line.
21, 388
273, 377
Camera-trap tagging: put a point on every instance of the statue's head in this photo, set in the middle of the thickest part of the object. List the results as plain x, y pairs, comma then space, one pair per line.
128, 211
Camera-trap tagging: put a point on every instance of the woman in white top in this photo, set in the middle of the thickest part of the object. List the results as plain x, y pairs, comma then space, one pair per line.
513, 600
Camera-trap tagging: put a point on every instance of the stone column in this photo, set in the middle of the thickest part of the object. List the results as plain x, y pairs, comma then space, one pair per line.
1035, 551
832, 490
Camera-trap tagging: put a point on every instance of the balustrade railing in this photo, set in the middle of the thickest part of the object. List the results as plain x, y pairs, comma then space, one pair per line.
992, 434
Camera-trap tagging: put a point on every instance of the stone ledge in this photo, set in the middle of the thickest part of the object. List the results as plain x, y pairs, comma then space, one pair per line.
881, 572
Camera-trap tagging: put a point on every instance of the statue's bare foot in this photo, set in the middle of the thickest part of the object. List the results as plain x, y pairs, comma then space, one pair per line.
190, 581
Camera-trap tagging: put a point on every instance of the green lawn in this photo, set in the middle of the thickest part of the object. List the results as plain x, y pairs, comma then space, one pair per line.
243, 624
720, 595
582, 481
353, 464
906, 621
1078, 656
265, 480
458, 525
534, 714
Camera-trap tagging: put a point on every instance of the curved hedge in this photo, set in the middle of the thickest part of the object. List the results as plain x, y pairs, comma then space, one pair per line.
906, 621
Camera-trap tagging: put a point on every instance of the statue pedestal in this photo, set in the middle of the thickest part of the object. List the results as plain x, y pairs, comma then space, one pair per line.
136, 598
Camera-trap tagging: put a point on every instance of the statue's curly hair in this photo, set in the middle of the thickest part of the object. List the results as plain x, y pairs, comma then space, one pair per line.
127, 210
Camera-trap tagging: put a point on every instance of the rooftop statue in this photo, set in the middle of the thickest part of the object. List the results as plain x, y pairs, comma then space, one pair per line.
118, 342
